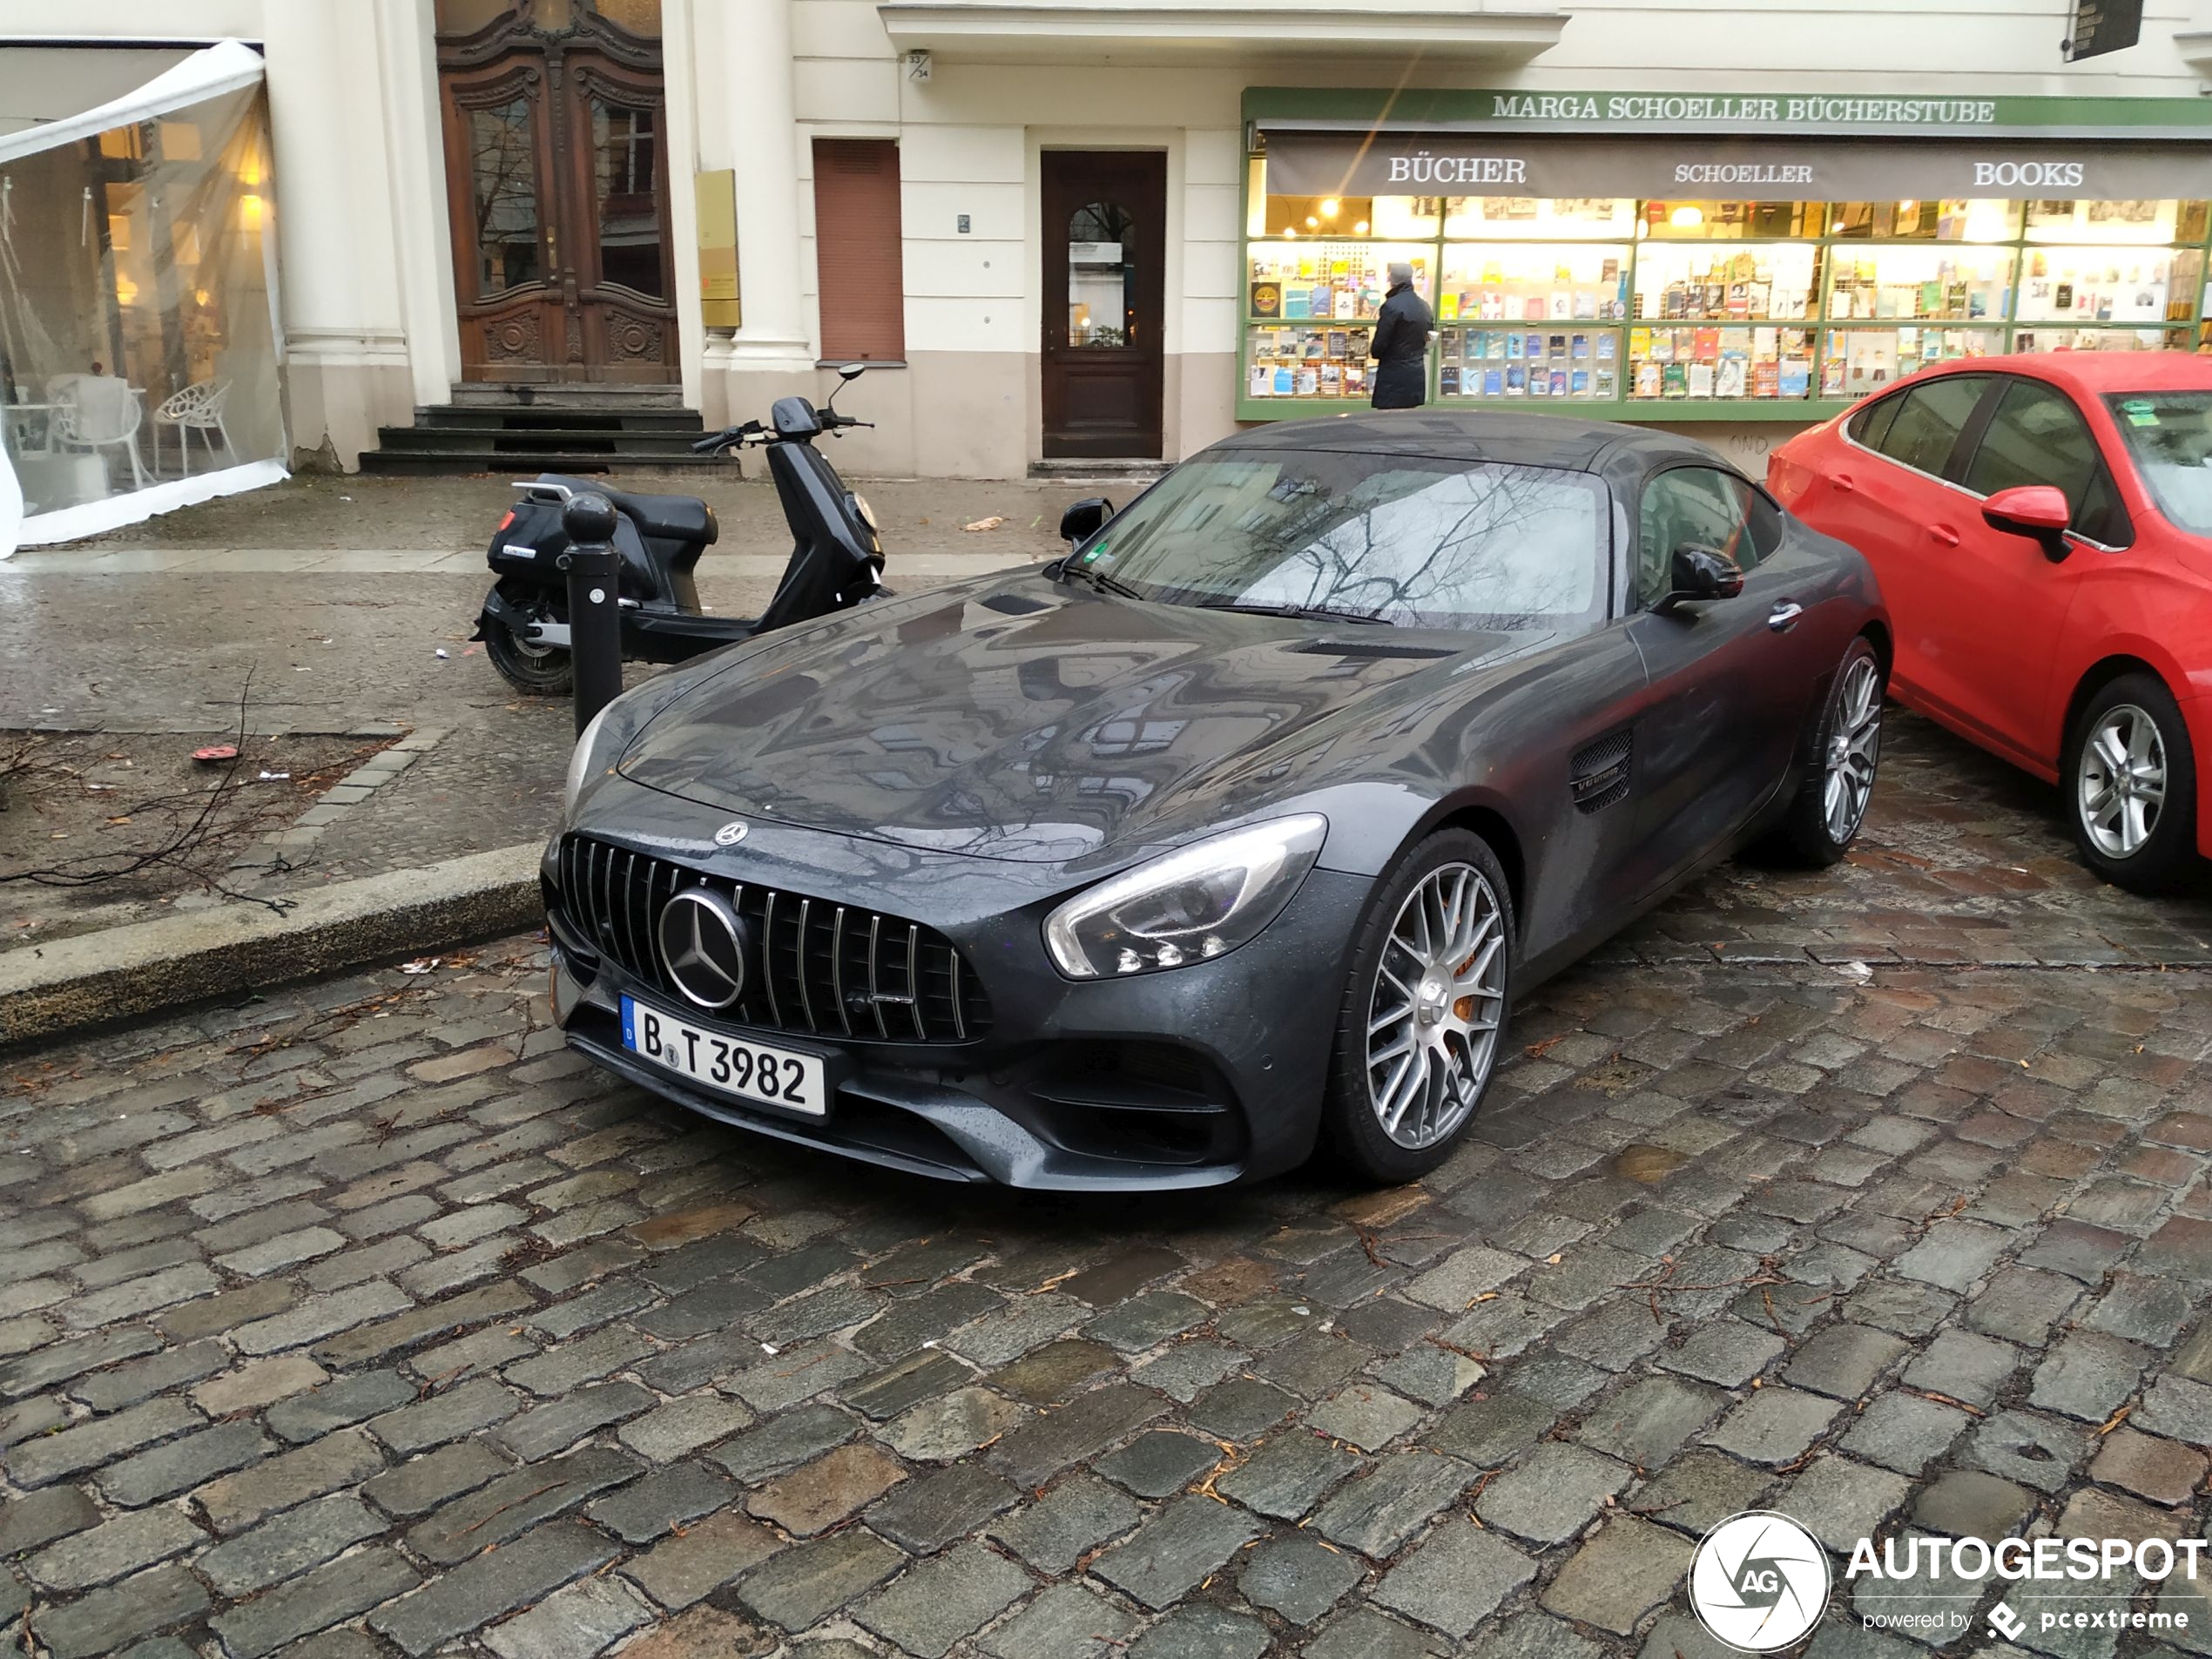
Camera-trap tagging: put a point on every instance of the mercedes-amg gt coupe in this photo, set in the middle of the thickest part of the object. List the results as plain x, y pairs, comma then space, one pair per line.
1236, 829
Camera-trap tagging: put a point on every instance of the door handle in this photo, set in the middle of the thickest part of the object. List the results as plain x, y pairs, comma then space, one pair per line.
1943, 534
1784, 616
1842, 481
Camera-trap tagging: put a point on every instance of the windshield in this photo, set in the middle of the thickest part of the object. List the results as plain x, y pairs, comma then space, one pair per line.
2170, 435
1403, 539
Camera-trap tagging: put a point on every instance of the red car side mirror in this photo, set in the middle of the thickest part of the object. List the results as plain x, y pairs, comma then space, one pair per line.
2037, 511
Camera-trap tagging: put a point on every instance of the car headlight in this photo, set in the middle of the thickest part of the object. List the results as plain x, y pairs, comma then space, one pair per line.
580, 762
1188, 906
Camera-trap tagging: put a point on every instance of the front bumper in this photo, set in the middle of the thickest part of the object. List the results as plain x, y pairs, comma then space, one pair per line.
1194, 1077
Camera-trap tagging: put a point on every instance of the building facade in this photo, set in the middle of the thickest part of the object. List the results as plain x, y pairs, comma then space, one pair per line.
1097, 229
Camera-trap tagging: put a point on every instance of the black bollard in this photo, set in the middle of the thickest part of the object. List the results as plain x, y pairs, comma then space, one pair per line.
595, 613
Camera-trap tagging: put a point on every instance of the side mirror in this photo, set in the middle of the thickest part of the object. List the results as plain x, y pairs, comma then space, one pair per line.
852, 371
2037, 511
1700, 573
1083, 521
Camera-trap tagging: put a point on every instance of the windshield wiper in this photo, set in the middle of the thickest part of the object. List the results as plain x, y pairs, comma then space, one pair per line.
1328, 613
1101, 580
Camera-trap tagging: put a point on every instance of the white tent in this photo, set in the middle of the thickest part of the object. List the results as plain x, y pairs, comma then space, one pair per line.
137, 286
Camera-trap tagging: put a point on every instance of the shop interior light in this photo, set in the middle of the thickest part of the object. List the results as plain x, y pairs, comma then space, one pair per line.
1312, 223
1331, 208
1360, 229
1688, 217
1987, 221
1289, 232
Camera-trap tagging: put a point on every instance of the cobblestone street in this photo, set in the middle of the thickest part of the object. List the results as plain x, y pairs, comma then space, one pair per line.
366, 1320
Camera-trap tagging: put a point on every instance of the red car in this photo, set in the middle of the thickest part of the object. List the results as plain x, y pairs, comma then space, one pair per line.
2042, 530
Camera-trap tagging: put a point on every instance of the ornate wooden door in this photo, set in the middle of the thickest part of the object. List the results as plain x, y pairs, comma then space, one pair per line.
557, 185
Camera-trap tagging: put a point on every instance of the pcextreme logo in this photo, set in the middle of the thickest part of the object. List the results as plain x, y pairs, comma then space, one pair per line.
1758, 1581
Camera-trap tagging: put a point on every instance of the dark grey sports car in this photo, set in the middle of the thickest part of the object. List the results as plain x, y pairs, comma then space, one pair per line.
1240, 826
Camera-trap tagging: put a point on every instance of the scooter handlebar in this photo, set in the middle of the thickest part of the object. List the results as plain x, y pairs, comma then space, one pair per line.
728, 438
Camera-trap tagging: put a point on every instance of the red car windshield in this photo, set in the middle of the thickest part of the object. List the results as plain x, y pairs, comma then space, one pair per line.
2170, 435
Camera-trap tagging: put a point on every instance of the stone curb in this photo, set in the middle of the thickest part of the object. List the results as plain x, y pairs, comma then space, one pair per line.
125, 972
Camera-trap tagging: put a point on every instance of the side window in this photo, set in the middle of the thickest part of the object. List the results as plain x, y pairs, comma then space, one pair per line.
1695, 504
1870, 424
1925, 428
2037, 436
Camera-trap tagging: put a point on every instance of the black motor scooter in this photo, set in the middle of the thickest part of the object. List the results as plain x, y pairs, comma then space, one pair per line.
836, 555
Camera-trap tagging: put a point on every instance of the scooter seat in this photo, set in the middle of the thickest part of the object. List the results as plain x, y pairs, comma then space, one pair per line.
680, 518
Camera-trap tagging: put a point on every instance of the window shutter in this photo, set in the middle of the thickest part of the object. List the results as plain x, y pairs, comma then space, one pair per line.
856, 250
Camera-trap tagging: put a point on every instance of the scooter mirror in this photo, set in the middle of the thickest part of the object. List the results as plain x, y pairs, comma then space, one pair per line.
852, 371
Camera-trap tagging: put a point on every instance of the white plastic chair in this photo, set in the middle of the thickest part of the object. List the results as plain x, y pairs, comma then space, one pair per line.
198, 408
99, 411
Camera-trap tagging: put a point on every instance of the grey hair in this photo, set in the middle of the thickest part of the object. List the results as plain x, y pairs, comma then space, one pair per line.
1400, 272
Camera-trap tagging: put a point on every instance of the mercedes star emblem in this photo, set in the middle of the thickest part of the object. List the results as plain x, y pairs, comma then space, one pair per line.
731, 833
702, 943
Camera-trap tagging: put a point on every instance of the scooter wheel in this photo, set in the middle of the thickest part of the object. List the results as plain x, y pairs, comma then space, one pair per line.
536, 670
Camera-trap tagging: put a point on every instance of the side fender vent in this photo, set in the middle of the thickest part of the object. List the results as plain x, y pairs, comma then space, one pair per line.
1599, 773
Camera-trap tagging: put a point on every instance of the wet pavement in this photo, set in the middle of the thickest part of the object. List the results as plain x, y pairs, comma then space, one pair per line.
345, 606
365, 1320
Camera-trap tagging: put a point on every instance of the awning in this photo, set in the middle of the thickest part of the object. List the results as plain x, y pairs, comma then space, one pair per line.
53, 98
1660, 166
56, 95
43, 84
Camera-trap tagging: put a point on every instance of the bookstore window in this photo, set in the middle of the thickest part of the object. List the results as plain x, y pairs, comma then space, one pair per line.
1781, 306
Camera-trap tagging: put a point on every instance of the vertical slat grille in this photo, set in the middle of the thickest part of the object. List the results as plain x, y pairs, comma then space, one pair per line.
887, 979
837, 971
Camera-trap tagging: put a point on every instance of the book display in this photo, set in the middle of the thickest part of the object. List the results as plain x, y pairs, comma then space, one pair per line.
1533, 282
1329, 281
1311, 361
1736, 360
1854, 361
1727, 282
1550, 360
1612, 304
1946, 283
2085, 284
2108, 339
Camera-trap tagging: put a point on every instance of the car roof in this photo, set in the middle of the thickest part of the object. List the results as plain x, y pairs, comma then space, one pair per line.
1514, 437
2092, 374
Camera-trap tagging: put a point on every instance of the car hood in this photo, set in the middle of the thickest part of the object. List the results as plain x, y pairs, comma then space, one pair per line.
1017, 718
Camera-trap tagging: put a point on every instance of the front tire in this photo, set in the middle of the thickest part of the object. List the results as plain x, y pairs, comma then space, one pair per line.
2130, 779
1423, 1010
1831, 801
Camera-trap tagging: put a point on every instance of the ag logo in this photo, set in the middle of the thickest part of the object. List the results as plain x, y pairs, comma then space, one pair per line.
1758, 1581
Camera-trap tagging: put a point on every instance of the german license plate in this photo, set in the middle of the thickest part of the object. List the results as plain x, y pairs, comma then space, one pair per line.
755, 1072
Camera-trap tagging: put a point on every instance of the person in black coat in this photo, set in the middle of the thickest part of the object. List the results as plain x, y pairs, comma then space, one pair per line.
1400, 344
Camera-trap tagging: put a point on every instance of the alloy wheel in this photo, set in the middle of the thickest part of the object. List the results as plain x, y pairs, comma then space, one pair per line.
1854, 749
1438, 1002
2121, 780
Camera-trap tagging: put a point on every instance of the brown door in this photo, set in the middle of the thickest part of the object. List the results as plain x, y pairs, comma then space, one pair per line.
557, 183
1105, 225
